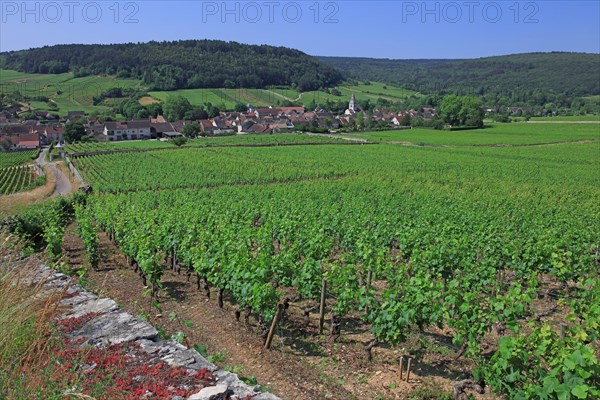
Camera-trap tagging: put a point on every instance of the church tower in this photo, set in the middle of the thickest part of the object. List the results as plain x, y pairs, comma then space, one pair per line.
352, 106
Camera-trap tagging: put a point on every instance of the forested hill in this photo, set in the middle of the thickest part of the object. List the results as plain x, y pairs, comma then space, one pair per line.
532, 77
181, 64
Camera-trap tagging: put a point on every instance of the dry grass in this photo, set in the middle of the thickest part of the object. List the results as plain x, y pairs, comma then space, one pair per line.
15, 203
27, 310
148, 100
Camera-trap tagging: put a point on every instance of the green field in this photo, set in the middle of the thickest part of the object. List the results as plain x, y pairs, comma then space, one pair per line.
67, 92
568, 118
363, 92
496, 134
229, 97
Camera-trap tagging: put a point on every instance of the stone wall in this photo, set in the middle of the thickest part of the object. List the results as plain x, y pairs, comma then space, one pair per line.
107, 325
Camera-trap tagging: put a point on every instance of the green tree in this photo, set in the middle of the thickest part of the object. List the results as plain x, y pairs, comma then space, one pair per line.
176, 107
360, 120
191, 130
74, 132
405, 120
461, 111
369, 119
179, 141
240, 107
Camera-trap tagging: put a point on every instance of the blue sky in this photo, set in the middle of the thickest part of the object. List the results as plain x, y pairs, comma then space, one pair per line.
383, 29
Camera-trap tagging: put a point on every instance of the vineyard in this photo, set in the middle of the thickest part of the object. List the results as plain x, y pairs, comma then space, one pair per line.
236, 140
14, 158
19, 179
410, 239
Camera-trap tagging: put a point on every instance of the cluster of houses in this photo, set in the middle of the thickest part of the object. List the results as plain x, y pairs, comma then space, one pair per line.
46, 130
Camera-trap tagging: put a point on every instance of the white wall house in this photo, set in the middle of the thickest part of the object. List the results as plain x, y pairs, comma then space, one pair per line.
127, 130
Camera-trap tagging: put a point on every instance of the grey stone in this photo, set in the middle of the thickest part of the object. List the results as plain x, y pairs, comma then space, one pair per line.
93, 306
265, 396
210, 393
116, 327
202, 363
81, 297
148, 346
181, 358
234, 383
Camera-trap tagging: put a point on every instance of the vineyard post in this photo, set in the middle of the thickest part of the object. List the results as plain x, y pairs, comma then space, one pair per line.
408, 370
276, 318
369, 279
401, 365
322, 307
174, 257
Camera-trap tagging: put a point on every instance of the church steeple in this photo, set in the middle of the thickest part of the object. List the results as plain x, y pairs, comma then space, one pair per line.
352, 106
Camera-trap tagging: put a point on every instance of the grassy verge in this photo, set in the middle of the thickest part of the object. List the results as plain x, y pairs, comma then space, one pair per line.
25, 317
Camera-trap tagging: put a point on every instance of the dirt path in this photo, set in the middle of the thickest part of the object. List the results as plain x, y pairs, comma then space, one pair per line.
282, 96
63, 185
349, 138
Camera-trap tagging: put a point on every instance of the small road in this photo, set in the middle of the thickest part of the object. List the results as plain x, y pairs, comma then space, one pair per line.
63, 184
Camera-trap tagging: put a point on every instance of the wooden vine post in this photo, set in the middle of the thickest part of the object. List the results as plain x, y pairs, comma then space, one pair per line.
408, 367
401, 366
174, 258
369, 280
322, 307
276, 318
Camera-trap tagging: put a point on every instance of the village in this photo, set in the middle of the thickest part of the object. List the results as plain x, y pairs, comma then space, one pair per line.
46, 129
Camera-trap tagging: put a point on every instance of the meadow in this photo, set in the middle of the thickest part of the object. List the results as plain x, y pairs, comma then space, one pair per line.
595, 118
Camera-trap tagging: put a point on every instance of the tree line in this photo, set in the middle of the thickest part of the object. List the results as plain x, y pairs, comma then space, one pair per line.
557, 80
185, 64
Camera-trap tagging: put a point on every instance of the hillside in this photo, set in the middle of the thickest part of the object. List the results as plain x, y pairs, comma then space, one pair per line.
533, 78
180, 64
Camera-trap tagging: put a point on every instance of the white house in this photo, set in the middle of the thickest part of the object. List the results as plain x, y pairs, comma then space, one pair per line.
127, 130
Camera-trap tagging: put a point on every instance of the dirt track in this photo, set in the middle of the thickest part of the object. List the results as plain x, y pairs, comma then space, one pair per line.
63, 184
